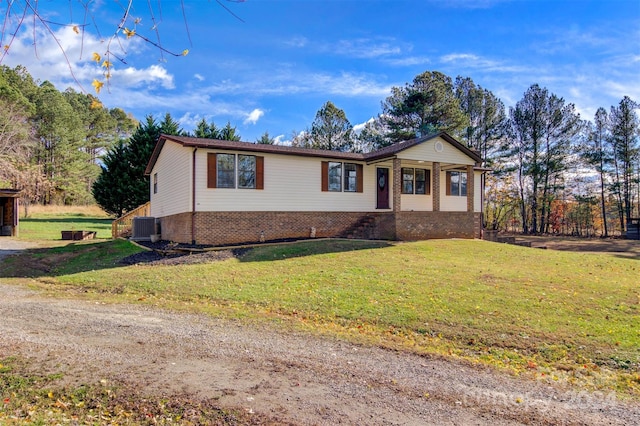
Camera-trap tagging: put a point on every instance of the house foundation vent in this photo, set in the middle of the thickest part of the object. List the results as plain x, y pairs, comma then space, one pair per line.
142, 228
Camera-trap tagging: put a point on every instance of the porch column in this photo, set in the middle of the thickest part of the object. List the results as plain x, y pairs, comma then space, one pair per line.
436, 186
397, 184
470, 189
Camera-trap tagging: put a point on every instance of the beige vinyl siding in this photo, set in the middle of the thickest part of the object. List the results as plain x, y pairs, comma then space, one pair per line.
453, 203
174, 181
291, 183
477, 192
427, 151
416, 202
450, 203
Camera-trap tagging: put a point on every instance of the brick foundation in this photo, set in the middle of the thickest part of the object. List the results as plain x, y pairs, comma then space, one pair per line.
424, 225
176, 228
220, 228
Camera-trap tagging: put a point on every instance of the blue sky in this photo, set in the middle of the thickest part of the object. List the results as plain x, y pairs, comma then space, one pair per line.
273, 69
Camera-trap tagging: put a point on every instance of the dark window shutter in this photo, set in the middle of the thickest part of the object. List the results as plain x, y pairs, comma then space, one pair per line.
448, 179
325, 175
212, 173
359, 178
427, 183
259, 172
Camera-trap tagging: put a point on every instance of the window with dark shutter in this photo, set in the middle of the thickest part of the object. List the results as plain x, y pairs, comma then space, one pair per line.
224, 172
338, 177
259, 172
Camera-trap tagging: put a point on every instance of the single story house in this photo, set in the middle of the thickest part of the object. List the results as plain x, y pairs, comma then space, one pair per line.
9, 212
206, 191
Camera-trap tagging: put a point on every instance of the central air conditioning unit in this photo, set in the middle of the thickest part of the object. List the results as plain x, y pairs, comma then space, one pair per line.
142, 228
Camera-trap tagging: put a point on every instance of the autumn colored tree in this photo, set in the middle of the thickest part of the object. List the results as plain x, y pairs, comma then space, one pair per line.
543, 128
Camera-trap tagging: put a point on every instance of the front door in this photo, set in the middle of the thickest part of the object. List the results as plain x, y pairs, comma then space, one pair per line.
382, 182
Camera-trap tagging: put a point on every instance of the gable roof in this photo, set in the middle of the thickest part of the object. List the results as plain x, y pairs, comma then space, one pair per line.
386, 152
391, 150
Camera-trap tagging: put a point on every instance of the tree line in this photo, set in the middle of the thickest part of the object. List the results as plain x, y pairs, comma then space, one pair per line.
51, 141
551, 170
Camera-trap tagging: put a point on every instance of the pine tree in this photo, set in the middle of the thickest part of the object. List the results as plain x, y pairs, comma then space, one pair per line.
228, 133
487, 125
425, 106
543, 128
266, 139
625, 131
111, 190
126, 185
331, 130
595, 152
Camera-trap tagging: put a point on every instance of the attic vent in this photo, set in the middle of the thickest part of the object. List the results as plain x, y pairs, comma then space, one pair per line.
142, 228
438, 146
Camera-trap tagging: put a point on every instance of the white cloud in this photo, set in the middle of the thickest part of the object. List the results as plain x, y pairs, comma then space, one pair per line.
358, 127
296, 42
284, 82
134, 77
280, 140
349, 84
199, 77
65, 59
366, 48
408, 61
253, 116
472, 61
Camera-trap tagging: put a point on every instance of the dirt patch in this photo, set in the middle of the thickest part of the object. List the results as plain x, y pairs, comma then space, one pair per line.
616, 246
276, 376
182, 257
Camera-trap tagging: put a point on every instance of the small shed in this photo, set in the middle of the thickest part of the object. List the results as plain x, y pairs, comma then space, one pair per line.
633, 229
9, 212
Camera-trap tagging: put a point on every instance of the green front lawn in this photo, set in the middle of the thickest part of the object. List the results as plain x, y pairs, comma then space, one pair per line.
45, 226
557, 316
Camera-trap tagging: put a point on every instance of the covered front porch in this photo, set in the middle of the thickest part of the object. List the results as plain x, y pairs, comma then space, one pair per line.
429, 186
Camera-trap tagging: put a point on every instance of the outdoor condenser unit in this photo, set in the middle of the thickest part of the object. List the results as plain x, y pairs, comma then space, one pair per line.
142, 228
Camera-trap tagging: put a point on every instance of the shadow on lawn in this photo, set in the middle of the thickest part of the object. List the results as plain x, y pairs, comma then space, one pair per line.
89, 256
307, 248
166, 253
68, 259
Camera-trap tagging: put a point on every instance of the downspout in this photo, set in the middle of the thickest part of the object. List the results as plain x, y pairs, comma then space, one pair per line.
193, 197
483, 183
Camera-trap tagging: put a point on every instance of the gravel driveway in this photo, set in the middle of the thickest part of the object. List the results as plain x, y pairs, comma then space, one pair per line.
284, 377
